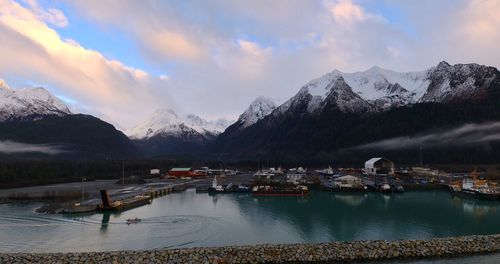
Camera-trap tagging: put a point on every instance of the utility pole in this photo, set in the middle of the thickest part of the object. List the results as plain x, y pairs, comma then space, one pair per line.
421, 163
83, 188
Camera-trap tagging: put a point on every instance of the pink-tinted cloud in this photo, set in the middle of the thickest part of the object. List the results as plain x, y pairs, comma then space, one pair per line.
225, 53
32, 50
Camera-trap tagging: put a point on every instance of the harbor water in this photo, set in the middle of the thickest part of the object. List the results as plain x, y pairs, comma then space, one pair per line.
191, 219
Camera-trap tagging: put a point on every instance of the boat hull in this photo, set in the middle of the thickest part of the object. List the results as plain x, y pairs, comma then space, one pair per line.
281, 193
475, 194
79, 209
212, 190
128, 204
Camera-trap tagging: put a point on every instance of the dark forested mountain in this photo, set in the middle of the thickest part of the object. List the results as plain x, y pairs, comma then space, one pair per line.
34, 123
350, 116
451, 112
68, 136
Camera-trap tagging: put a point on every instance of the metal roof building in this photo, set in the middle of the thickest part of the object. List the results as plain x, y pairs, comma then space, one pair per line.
379, 166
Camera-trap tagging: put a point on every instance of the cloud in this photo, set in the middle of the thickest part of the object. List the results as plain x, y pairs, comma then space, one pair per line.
345, 11
32, 50
172, 45
239, 50
51, 15
469, 134
11, 147
219, 55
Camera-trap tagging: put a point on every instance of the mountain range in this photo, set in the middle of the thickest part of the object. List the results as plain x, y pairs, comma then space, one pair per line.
331, 116
338, 116
165, 132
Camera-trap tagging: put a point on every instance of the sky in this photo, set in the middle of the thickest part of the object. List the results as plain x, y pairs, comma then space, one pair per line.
121, 60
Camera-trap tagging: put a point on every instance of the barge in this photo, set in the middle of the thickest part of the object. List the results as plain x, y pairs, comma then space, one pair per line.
299, 190
79, 209
124, 204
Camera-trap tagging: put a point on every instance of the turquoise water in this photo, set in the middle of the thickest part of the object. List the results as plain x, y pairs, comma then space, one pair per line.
192, 219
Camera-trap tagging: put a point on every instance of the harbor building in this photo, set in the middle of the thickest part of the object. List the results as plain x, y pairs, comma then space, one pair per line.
379, 166
185, 172
348, 182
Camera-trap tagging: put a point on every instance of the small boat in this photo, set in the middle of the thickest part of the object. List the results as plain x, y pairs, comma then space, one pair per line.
133, 221
216, 188
326, 172
242, 188
399, 189
263, 174
385, 187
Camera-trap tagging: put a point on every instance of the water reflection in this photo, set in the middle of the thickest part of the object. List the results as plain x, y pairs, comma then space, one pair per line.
377, 216
476, 208
352, 200
196, 219
105, 221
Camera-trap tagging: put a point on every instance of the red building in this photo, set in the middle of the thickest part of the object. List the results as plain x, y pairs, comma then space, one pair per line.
185, 172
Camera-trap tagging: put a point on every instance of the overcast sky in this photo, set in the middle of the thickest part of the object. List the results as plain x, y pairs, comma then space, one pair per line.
120, 60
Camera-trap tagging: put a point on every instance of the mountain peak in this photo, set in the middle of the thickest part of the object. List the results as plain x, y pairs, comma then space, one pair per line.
4, 85
443, 64
164, 112
259, 108
374, 69
166, 121
29, 102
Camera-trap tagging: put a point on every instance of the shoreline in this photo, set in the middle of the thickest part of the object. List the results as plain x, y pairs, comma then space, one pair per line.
348, 251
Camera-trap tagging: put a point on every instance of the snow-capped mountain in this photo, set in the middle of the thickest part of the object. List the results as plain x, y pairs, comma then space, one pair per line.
35, 116
165, 132
28, 102
339, 110
165, 122
257, 110
378, 89
457, 82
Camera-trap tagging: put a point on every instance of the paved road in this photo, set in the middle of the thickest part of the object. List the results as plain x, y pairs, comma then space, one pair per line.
92, 188
116, 191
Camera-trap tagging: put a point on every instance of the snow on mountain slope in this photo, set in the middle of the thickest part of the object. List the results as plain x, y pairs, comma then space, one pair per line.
328, 89
21, 103
373, 83
199, 124
258, 109
165, 122
452, 82
380, 89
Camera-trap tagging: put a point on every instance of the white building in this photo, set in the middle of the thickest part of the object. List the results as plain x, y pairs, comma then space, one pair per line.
155, 172
294, 178
379, 166
348, 181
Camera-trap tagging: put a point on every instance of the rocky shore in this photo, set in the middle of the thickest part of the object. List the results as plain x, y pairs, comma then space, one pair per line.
295, 253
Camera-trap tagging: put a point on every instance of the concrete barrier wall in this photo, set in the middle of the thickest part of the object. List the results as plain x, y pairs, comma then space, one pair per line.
295, 253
